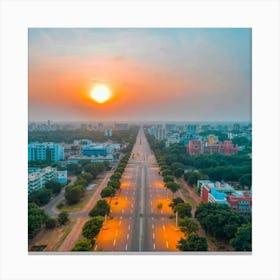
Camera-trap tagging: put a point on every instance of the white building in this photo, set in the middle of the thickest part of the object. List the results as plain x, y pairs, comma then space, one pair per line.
160, 132
108, 132
38, 179
172, 139
78, 159
45, 152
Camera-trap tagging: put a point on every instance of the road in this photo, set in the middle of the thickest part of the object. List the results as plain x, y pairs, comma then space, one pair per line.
137, 223
82, 216
50, 208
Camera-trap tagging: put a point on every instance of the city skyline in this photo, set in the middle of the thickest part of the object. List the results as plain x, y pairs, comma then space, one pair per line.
195, 74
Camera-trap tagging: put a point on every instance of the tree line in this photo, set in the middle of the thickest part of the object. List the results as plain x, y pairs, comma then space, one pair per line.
68, 136
217, 167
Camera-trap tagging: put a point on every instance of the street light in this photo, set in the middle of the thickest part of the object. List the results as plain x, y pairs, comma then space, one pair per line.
176, 227
105, 221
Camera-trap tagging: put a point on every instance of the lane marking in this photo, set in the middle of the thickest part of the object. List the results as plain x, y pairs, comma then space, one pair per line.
127, 236
153, 236
122, 210
166, 244
120, 223
153, 226
95, 248
121, 217
128, 227
126, 246
154, 246
163, 227
114, 243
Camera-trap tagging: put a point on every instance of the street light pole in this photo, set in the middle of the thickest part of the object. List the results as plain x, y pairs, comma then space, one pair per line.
105, 221
176, 227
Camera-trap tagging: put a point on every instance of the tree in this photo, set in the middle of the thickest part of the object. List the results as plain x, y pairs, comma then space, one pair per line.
159, 206
243, 238
188, 226
54, 186
177, 165
173, 187
178, 172
108, 192
193, 243
116, 176
51, 223
91, 168
168, 178
219, 220
175, 201
63, 218
183, 210
246, 180
86, 176
92, 227
81, 182
36, 217
40, 197
166, 172
73, 194
74, 169
101, 208
83, 245
114, 184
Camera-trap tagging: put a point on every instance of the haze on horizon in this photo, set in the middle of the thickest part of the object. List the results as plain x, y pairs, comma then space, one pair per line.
174, 74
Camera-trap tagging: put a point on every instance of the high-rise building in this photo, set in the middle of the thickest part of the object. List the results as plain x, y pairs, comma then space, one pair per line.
170, 127
108, 132
191, 129
160, 132
45, 152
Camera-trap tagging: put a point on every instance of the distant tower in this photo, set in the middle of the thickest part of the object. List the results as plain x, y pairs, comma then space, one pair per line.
211, 139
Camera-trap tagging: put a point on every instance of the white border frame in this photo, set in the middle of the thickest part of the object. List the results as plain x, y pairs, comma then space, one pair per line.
262, 16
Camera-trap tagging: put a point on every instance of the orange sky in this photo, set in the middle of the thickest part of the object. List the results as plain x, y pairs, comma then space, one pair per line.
153, 74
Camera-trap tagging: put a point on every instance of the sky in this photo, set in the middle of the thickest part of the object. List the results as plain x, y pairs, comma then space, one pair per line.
154, 74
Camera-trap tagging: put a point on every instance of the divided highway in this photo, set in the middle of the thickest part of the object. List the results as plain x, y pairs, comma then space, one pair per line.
138, 223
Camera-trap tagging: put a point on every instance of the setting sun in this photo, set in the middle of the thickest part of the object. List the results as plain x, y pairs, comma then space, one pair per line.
100, 93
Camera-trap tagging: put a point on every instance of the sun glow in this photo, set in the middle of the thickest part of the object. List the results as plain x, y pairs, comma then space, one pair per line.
100, 93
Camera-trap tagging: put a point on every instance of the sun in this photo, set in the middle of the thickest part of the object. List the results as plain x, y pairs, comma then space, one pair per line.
100, 93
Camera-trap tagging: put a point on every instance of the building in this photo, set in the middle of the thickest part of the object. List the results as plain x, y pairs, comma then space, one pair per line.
210, 194
172, 139
108, 132
160, 132
206, 147
94, 150
82, 142
121, 126
61, 176
151, 130
170, 127
241, 202
45, 152
191, 129
38, 179
79, 159
195, 147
